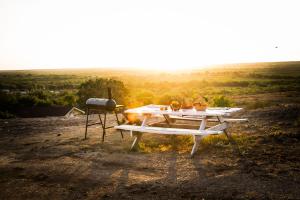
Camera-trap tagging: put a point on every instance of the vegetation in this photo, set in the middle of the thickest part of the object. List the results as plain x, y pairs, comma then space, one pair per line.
98, 88
218, 85
222, 101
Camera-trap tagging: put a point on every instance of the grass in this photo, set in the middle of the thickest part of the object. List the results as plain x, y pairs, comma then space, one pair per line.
259, 104
60, 87
184, 144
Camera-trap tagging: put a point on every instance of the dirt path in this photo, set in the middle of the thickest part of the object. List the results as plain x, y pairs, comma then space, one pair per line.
47, 158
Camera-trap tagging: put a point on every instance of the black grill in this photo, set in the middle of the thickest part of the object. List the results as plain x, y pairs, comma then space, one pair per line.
103, 106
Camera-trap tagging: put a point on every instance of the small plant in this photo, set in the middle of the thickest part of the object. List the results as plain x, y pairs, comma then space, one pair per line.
6, 115
222, 101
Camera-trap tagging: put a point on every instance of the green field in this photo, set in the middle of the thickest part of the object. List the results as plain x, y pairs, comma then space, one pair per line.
29, 88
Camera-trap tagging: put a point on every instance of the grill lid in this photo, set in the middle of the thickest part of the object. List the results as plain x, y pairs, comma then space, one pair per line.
107, 104
101, 103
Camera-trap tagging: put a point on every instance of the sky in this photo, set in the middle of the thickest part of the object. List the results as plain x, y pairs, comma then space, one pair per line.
156, 34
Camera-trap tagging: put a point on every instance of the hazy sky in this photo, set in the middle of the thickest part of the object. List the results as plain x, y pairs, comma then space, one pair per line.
158, 34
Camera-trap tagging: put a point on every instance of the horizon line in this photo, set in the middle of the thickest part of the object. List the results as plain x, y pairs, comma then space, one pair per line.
149, 68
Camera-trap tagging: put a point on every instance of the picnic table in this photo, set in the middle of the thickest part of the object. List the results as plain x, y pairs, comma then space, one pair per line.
169, 125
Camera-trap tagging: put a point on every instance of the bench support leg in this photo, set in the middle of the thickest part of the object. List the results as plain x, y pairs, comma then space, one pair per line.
136, 141
198, 138
138, 135
229, 137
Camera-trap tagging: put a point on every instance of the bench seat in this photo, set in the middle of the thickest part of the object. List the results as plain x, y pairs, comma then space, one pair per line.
169, 131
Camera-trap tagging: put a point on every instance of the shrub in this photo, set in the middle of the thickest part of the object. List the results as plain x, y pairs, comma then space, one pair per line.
7, 100
27, 100
6, 115
40, 94
97, 88
43, 102
167, 98
145, 97
222, 101
69, 99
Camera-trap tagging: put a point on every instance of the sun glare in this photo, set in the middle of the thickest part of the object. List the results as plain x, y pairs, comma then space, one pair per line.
158, 35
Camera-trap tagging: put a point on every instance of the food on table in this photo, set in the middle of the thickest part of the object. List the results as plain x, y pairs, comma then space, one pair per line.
175, 105
200, 106
163, 108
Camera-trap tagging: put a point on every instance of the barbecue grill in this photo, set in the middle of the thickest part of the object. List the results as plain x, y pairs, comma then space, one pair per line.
101, 106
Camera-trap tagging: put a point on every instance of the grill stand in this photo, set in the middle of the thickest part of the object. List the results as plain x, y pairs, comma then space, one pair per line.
102, 122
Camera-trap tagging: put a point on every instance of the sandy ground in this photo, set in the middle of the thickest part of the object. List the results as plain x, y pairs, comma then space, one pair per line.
47, 158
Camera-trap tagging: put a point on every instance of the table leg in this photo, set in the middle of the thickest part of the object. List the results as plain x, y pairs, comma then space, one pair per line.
144, 123
138, 135
136, 141
197, 138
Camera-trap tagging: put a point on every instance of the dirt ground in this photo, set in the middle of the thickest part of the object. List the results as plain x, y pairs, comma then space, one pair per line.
47, 158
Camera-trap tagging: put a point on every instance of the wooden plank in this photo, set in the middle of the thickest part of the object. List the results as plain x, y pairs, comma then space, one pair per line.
236, 120
219, 127
170, 131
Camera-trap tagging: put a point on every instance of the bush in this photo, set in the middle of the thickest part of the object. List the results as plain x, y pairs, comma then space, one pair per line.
40, 94
222, 101
7, 100
27, 100
42, 102
145, 97
97, 88
69, 99
6, 115
36, 98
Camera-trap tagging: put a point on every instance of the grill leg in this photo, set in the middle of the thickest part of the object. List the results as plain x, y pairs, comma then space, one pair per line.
86, 123
102, 125
103, 135
101, 121
119, 123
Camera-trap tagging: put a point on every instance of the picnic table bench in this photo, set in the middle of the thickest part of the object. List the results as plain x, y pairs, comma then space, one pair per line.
217, 115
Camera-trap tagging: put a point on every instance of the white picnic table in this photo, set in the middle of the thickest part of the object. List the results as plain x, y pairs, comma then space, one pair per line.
219, 115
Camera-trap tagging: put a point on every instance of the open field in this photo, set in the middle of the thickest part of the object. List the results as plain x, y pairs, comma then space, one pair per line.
22, 91
47, 158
